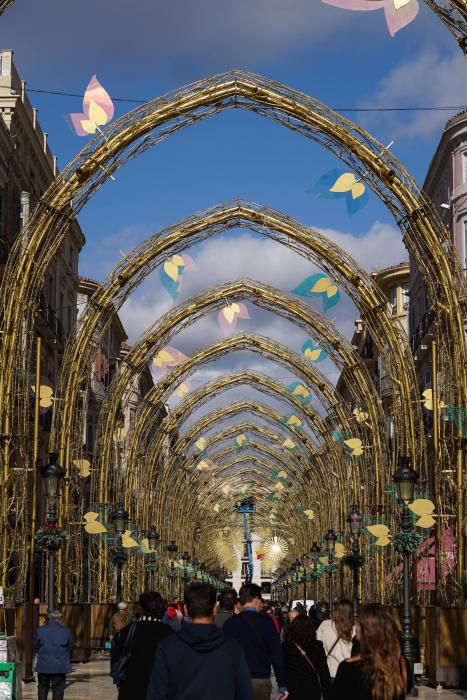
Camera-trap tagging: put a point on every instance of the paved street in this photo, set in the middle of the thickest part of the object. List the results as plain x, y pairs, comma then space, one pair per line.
92, 681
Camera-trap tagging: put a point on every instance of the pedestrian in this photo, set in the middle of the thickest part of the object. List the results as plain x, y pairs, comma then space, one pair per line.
119, 621
291, 616
268, 610
336, 635
53, 644
122, 609
316, 616
171, 618
379, 672
260, 642
140, 640
199, 662
306, 670
227, 601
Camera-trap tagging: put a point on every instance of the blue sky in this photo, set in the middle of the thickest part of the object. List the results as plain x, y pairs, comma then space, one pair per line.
145, 48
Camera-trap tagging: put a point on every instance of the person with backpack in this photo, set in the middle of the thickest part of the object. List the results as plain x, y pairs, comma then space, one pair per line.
136, 645
379, 671
337, 634
306, 670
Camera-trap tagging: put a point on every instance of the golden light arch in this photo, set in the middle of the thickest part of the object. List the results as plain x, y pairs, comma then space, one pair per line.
426, 238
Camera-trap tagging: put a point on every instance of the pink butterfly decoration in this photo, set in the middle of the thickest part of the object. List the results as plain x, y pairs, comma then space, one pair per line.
228, 316
167, 357
398, 13
98, 110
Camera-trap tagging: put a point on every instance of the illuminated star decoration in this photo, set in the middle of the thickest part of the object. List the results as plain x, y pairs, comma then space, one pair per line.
398, 13
319, 285
172, 271
275, 548
227, 317
300, 392
98, 110
167, 357
313, 352
337, 184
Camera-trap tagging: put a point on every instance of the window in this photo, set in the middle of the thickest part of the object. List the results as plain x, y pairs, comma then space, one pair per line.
393, 299
406, 296
464, 252
464, 166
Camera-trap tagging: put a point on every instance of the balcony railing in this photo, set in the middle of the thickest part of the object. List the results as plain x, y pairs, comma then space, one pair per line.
422, 330
51, 320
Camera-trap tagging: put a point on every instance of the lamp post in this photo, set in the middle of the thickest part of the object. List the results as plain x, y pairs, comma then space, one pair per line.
52, 475
355, 522
315, 552
152, 566
405, 479
296, 569
119, 519
330, 539
172, 550
305, 579
186, 561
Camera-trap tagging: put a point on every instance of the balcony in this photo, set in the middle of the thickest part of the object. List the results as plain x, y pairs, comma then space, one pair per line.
422, 335
52, 326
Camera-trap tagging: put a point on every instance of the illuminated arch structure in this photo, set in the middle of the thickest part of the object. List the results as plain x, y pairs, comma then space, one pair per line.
425, 237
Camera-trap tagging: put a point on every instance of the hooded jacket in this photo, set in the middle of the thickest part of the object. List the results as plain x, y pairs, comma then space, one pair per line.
199, 662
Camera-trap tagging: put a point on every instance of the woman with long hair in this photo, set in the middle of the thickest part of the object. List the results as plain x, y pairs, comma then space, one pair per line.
379, 672
336, 635
306, 670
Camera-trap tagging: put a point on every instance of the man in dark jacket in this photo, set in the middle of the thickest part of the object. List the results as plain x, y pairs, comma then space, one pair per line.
260, 642
227, 602
199, 661
53, 643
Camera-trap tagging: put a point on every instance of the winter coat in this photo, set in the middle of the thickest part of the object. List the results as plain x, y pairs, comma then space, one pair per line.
350, 683
199, 663
302, 682
221, 616
335, 652
146, 637
53, 643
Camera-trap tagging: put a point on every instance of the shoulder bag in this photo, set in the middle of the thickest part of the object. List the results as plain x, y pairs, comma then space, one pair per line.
311, 664
119, 669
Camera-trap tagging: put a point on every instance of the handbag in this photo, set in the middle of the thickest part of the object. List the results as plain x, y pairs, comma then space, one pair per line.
119, 668
311, 664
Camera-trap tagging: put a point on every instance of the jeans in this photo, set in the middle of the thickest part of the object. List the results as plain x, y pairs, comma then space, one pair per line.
56, 681
262, 688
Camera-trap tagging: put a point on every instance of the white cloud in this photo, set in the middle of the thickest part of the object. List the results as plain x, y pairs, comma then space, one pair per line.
428, 80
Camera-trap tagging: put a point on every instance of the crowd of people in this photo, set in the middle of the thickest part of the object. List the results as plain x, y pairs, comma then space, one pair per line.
209, 649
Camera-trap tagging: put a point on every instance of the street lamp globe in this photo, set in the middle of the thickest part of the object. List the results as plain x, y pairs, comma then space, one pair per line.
315, 552
119, 518
330, 538
153, 538
355, 521
185, 558
172, 550
52, 474
405, 479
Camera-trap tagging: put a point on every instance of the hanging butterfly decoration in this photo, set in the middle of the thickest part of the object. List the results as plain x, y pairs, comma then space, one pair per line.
308, 514
95, 524
300, 392
167, 357
46, 397
201, 444
182, 390
98, 110
398, 13
280, 475
424, 509
292, 421
339, 550
428, 401
313, 352
381, 532
338, 184
172, 271
206, 465
275, 496
227, 317
83, 466
241, 441
321, 286
355, 446
287, 445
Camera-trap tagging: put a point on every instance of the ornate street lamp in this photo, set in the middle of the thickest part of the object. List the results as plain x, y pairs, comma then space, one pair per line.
186, 561
405, 479
119, 519
305, 563
330, 538
296, 566
355, 522
52, 474
315, 552
172, 551
152, 566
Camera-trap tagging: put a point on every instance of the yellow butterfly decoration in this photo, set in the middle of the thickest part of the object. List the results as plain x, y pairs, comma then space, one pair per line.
324, 284
144, 546
45, 395
310, 514
83, 466
182, 390
241, 439
428, 400
279, 486
171, 267
381, 532
225, 490
294, 421
282, 474
201, 444
360, 415
92, 525
288, 444
424, 508
128, 541
339, 550
324, 561
355, 445
119, 434
216, 508
243, 489
348, 183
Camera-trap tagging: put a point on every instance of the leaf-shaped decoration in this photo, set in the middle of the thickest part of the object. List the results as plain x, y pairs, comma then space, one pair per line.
216, 508
201, 444
425, 522
92, 525
98, 109
227, 317
45, 395
324, 561
422, 506
380, 531
289, 444
339, 550
344, 183
428, 400
310, 514
360, 415
182, 390
128, 541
